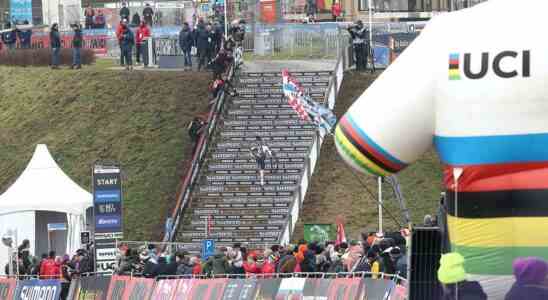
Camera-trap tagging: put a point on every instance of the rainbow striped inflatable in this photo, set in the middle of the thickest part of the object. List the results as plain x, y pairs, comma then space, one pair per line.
481, 98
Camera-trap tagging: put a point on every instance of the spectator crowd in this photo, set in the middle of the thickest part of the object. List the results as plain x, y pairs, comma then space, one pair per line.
377, 254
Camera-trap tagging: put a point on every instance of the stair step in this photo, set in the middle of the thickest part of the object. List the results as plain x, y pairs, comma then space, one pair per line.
198, 225
244, 200
247, 188
251, 166
245, 194
271, 133
252, 160
262, 112
246, 145
318, 87
269, 85
261, 106
247, 155
251, 235
242, 185
279, 74
202, 204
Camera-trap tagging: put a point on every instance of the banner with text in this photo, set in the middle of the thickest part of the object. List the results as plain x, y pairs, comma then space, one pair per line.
107, 202
37, 289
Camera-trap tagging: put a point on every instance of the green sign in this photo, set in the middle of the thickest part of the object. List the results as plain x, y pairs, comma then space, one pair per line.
319, 232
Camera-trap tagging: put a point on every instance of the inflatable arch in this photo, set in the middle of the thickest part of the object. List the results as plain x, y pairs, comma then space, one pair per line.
475, 85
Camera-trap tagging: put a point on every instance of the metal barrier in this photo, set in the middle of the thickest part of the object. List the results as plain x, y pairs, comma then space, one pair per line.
297, 41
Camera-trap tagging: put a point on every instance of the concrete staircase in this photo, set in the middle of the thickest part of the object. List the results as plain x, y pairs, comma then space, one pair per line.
229, 187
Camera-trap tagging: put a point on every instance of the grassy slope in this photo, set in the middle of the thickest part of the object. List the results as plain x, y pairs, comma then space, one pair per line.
136, 118
336, 190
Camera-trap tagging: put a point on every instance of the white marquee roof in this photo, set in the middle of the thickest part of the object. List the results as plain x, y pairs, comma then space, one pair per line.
44, 186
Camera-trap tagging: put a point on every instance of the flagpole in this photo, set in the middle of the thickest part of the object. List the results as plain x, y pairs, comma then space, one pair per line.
226, 18
379, 181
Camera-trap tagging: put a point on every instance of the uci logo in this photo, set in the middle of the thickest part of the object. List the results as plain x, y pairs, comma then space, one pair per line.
455, 70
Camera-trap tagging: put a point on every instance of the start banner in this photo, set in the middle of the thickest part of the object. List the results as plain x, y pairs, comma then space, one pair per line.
7, 287
37, 289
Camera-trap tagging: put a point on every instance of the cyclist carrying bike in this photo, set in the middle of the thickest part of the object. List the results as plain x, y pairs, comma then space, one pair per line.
236, 34
261, 152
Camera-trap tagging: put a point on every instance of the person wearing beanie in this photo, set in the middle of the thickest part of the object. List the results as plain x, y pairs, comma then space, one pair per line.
453, 277
530, 273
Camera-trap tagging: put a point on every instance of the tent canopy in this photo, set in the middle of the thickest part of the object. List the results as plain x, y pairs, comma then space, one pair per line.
43, 186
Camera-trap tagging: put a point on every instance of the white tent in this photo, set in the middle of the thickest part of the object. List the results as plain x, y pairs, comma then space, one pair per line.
43, 194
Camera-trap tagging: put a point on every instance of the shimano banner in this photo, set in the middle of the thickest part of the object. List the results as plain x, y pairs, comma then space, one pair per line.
36, 289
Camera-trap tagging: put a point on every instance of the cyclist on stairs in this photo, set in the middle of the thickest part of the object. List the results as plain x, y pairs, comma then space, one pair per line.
261, 152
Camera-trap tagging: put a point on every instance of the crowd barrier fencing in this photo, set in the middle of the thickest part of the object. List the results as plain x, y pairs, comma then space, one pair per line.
355, 286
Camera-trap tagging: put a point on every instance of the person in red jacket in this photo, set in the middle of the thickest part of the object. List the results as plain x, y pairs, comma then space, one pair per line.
49, 268
197, 265
143, 33
119, 31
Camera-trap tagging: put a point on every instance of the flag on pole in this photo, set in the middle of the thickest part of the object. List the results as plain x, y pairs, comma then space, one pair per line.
307, 109
293, 91
341, 235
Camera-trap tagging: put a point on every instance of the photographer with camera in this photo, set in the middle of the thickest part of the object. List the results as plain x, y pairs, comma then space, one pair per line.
360, 44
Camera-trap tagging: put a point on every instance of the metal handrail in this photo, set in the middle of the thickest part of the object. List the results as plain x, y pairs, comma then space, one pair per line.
183, 195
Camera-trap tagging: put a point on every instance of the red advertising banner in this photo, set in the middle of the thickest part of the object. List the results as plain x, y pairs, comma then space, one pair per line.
117, 287
398, 293
346, 288
184, 287
166, 289
138, 289
98, 43
208, 289
7, 287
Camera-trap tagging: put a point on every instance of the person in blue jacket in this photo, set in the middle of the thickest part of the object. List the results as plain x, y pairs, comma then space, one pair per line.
186, 41
25, 37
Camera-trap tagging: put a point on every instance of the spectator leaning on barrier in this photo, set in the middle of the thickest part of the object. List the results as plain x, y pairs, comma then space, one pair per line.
77, 42
89, 14
55, 44
453, 277
49, 269
218, 263
186, 41
148, 13
9, 37
143, 34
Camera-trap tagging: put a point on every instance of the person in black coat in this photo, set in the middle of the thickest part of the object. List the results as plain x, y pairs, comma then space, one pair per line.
186, 41
55, 44
77, 42
148, 13
124, 12
9, 38
202, 42
360, 43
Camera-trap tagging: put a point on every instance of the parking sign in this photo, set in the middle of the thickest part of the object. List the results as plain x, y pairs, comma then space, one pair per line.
208, 248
